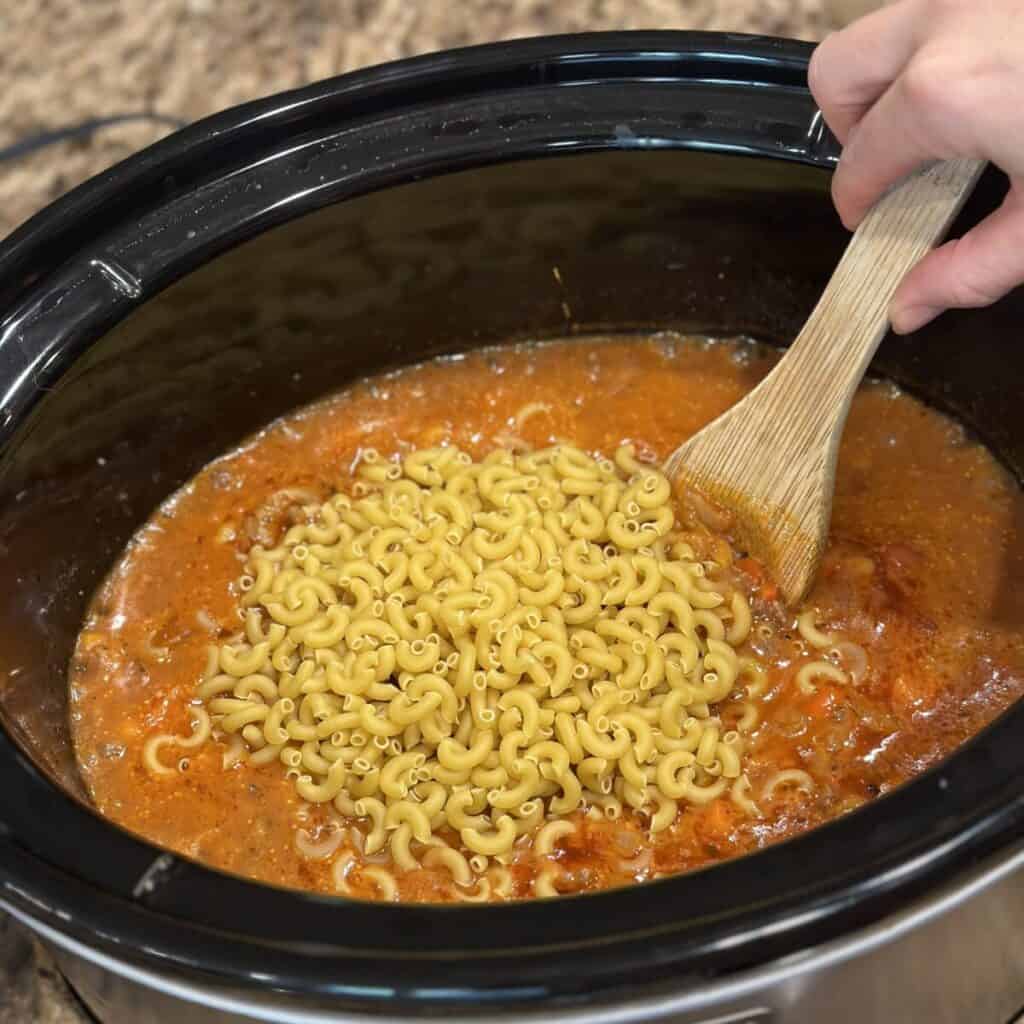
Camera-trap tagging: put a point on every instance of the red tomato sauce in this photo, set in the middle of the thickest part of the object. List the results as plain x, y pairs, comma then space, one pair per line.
922, 573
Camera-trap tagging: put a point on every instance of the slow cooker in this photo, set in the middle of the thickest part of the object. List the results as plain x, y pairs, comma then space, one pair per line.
260, 258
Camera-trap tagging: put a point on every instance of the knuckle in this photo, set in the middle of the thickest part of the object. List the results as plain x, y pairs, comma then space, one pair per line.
934, 8
925, 85
971, 288
968, 294
943, 78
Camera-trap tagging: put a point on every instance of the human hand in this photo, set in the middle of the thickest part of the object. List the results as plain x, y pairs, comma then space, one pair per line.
921, 80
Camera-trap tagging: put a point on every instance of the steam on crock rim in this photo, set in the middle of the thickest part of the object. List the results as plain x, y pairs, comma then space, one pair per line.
224, 179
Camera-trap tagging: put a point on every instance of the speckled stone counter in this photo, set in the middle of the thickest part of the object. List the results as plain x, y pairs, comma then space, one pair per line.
31, 990
68, 61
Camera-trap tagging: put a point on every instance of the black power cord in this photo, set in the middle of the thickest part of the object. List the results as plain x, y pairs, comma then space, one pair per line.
83, 130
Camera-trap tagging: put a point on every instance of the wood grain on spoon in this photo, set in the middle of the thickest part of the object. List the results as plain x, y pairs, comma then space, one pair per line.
771, 458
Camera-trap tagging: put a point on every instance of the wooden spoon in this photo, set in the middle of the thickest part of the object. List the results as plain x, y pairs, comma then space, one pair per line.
771, 458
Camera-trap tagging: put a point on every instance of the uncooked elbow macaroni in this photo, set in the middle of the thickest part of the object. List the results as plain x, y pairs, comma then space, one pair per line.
485, 648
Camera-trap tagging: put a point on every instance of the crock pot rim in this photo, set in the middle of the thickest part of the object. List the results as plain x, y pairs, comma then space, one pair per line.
169, 165
575, 957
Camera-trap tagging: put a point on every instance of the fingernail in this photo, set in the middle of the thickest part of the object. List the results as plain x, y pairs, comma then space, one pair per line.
912, 318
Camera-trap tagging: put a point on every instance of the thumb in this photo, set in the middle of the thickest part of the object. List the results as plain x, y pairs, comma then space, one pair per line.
971, 271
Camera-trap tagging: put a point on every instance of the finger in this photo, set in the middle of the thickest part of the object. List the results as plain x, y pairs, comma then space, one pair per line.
972, 271
887, 144
850, 69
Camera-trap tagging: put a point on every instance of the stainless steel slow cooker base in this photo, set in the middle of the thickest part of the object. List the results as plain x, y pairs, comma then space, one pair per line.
954, 958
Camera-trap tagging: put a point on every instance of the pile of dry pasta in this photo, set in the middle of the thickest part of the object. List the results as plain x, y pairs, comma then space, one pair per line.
479, 649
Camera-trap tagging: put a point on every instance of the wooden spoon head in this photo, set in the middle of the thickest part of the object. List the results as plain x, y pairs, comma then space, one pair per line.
771, 458
779, 513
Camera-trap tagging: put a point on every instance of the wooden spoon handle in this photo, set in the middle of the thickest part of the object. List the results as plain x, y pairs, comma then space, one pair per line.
772, 456
852, 315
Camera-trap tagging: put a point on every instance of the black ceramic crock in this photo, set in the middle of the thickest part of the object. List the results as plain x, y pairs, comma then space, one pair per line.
258, 259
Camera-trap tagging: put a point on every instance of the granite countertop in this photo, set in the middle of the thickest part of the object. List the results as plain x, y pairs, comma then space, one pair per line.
31, 989
65, 62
